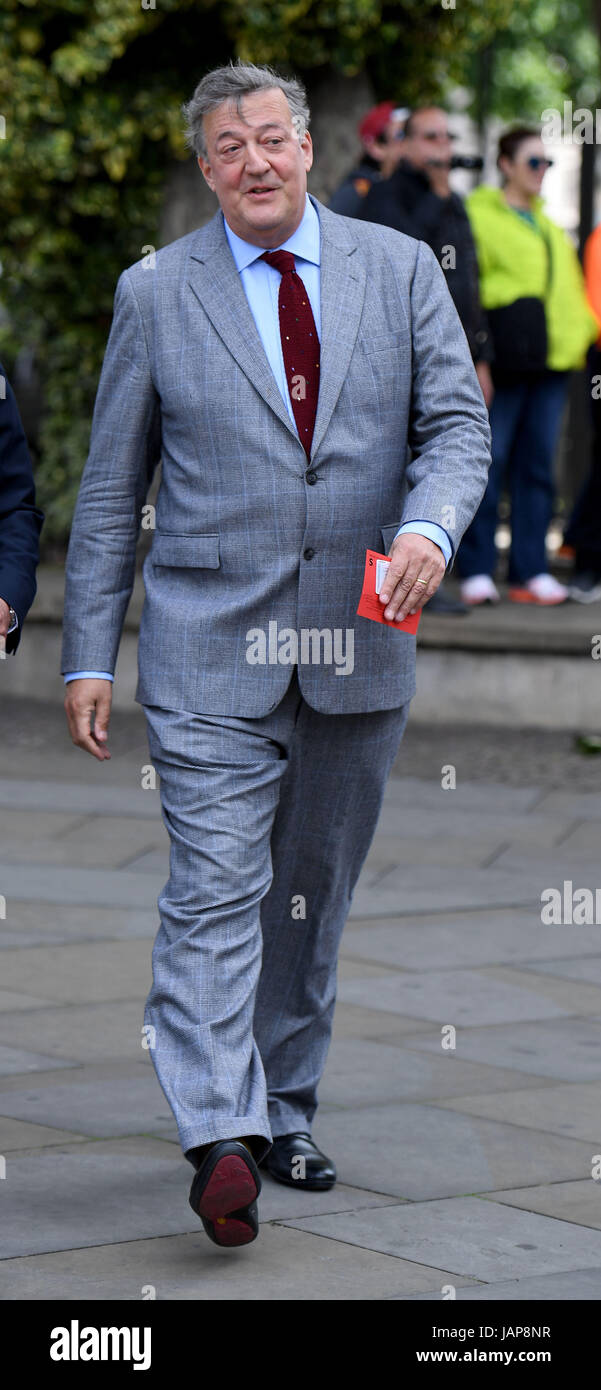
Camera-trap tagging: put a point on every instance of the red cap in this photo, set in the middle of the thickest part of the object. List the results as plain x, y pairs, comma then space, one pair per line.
376, 120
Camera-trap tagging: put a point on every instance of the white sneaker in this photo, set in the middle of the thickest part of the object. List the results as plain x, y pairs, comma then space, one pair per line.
479, 588
542, 588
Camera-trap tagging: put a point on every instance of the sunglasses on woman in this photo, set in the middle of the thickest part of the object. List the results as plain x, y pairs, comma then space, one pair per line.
535, 163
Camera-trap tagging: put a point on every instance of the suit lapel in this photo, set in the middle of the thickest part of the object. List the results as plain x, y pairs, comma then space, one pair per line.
215, 281
342, 282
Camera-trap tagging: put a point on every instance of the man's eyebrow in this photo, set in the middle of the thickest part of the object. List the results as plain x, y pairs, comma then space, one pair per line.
269, 125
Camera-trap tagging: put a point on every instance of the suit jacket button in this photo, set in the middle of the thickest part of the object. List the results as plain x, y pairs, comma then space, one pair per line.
308, 554
311, 477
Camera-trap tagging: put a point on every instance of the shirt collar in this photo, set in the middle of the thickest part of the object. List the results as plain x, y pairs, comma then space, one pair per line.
304, 242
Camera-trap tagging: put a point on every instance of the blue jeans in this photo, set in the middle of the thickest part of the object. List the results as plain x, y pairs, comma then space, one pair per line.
525, 419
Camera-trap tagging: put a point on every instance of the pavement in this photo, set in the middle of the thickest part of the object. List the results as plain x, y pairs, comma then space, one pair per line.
460, 1100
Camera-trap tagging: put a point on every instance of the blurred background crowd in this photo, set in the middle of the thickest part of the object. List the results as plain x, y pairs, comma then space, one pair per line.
431, 118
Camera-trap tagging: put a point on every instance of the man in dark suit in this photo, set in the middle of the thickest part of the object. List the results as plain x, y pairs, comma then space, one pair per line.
20, 522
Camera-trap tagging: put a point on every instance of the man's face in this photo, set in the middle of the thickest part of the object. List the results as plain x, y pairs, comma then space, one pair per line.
257, 166
429, 139
527, 169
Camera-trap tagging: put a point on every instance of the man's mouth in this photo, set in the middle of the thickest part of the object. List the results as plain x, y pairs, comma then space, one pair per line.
260, 190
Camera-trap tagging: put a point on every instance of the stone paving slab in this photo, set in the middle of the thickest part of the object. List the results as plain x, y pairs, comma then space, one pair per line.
89, 797
452, 940
99, 1109
574, 997
12, 999
28, 924
568, 1049
576, 1202
281, 1265
430, 888
427, 848
51, 883
363, 1072
469, 795
583, 806
352, 1021
91, 842
549, 868
488, 1240
574, 1285
582, 842
468, 997
19, 1134
571, 1110
23, 828
95, 1194
586, 968
78, 1074
422, 1152
17, 1061
83, 1033
404, 823
97, 970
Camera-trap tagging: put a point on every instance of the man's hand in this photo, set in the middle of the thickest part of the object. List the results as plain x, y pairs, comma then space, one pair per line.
4, 618
412, 557
483, 374
88, 700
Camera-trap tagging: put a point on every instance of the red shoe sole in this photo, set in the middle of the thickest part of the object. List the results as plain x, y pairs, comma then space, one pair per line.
230, 1187
232, 1232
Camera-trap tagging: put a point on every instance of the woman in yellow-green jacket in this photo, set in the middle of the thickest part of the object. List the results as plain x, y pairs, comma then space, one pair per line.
532, 289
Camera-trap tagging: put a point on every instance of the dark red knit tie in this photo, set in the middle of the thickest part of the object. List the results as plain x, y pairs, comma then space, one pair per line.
300, 344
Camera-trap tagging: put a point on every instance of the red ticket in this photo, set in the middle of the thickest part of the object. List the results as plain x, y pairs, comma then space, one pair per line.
370, 605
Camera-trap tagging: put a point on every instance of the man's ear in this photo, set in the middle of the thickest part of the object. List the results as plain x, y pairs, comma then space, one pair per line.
205, 170
308, 150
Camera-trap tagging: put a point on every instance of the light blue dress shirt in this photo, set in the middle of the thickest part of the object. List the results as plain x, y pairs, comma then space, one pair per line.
261, 284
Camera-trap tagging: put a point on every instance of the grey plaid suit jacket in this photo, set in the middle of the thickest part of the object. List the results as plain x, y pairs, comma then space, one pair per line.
243, 537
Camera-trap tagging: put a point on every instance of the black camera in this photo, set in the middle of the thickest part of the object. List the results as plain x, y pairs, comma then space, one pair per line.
467, 161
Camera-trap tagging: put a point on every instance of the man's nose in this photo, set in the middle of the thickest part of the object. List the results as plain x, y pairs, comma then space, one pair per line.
256, 159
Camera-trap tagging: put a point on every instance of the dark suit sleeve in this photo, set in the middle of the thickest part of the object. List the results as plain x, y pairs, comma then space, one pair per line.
20, 519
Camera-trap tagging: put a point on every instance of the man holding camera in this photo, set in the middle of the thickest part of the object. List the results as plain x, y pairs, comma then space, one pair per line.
417, 199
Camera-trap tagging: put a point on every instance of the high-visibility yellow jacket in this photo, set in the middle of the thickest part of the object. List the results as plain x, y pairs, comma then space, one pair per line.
513, 262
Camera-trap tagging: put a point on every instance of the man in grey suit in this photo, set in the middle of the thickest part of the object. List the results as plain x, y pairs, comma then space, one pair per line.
306, 382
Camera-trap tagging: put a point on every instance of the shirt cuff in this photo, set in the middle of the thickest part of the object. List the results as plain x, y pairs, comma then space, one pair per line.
432, 532
88, 675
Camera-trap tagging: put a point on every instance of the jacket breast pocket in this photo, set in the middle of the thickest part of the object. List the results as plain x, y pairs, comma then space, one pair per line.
392, 343
185, 552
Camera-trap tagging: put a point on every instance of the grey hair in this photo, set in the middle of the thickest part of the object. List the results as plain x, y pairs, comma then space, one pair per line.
231, 83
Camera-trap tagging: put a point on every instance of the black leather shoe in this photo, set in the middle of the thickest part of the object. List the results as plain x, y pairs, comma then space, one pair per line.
224, 1192
295, 1160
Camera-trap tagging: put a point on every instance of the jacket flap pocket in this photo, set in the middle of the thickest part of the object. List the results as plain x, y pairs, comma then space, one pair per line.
386, 342
388, 534
194, 552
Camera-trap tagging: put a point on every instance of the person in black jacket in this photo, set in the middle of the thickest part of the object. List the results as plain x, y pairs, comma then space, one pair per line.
20, 522
379, 135
417, 199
